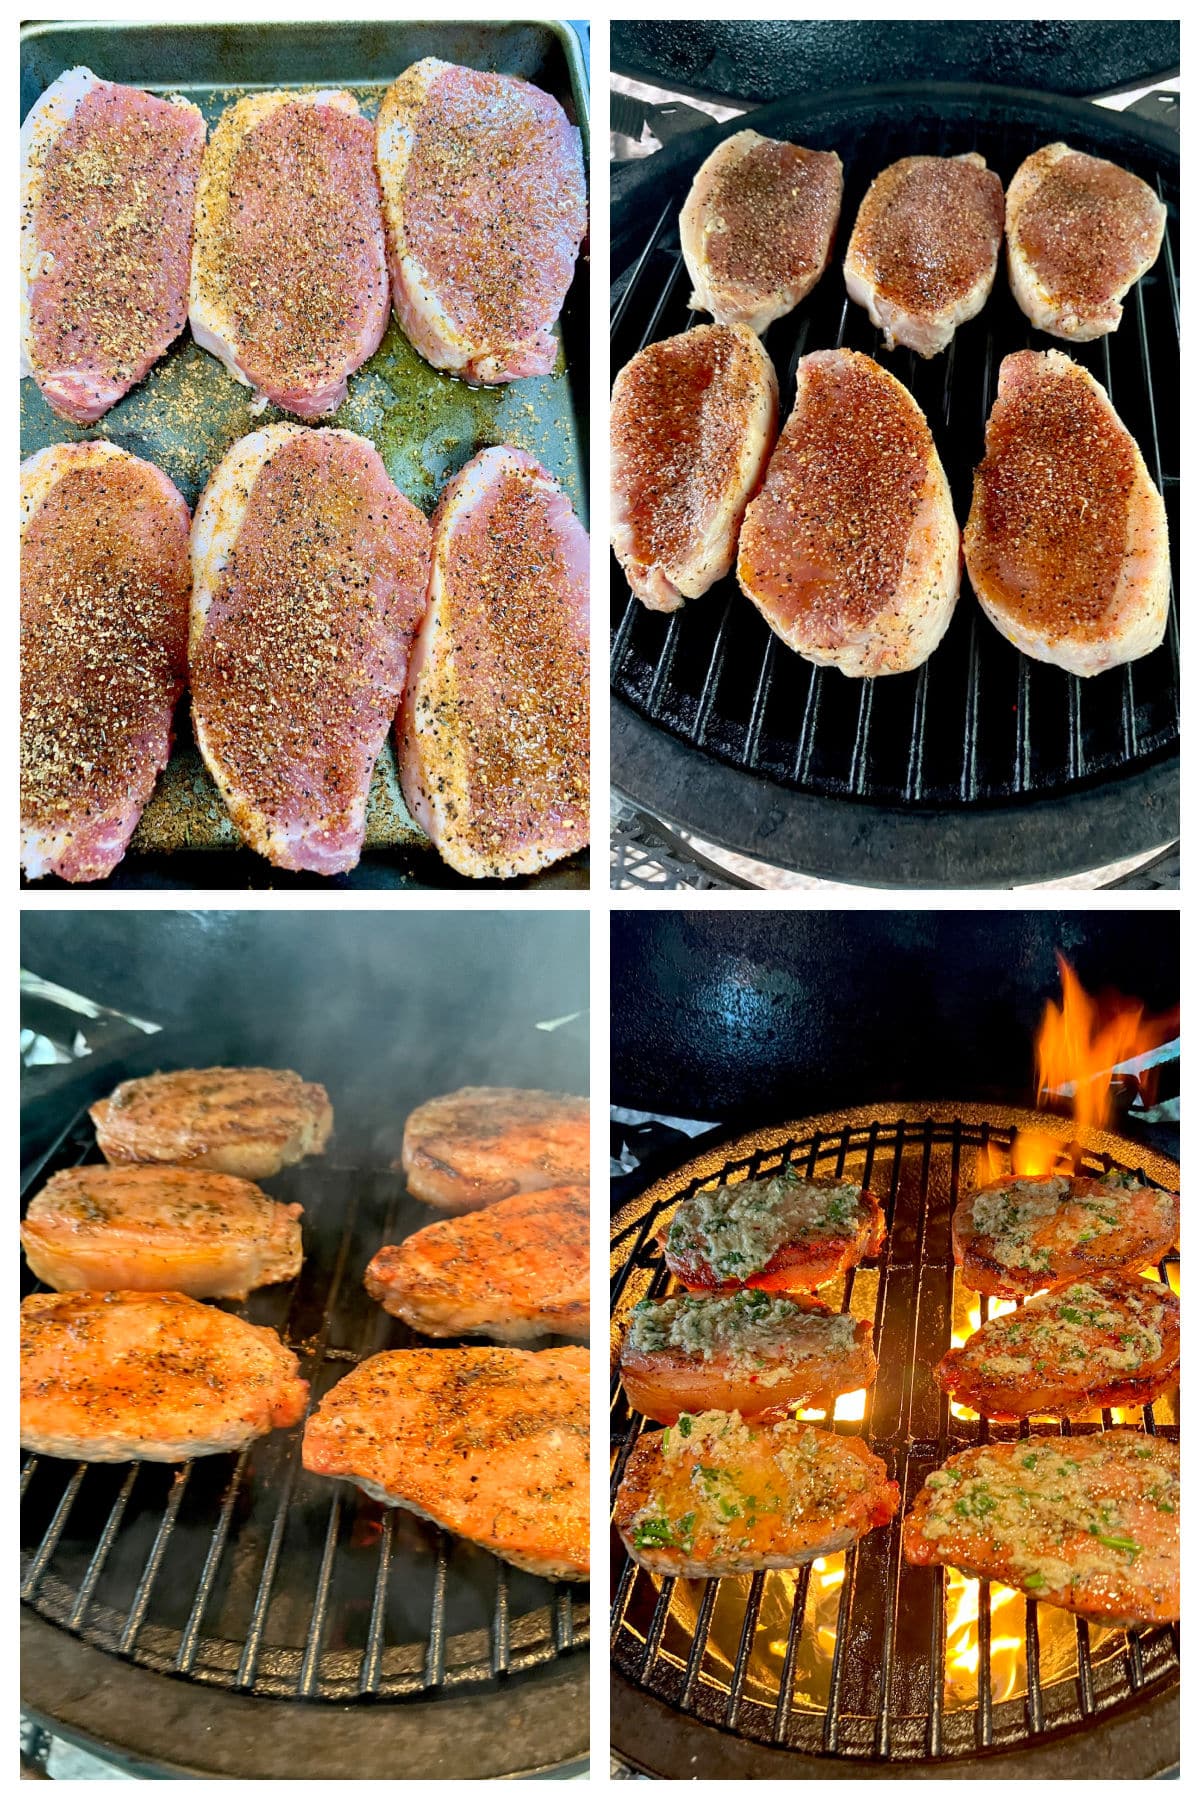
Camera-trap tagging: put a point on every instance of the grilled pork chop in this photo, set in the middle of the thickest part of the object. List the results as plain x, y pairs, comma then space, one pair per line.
922, 256
310, 569
784, 1232
481, 1144
485, 207
492, 738
1080, 231
746, 1352
757, 227
289, 284
850, 551
1066, 543
108, 183
718, 1495
1016, 1236
105, 585
186, 1231
489, 1444
517, 1270
693, 421
1087, 1523
1113, 1341
121, 1377
248, 1122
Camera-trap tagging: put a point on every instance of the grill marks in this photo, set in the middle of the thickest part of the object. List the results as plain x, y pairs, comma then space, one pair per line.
104, 595
107, 201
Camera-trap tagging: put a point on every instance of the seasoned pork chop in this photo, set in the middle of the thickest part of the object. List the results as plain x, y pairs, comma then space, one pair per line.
105, 585
922, 256
1066, 544
123, 1377
108, 184
745, 1352
517, 1270
186, 1231
850, 551
757, 227
289, 284
693, 422
492, 738
1087, 1523
718, 1495
1016, 1236
1080, 231
1113, 1341
485, 207
249, 1122
481, 1144
783, 1232
489, 1444
310, 569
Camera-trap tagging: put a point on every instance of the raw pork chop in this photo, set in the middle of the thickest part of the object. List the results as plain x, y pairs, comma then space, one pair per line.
188, 1231
108, 184
1066, 543
485, 207
248, 1122
105, 584
1080, 231
493, 734
481, 1144
693, 421
516, 1270
922, 256
757, 227
310, 571
490, 1444
850, 551
119, 1377
289, 272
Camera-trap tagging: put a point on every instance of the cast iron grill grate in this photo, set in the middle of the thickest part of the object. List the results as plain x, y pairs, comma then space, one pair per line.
247, 1573
866, 1657
978, 724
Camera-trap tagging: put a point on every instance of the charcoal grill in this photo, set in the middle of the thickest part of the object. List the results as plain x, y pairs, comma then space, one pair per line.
172, 1613
861, 1667
982, 768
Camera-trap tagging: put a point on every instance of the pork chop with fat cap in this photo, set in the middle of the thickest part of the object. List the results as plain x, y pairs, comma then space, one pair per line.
248, 1122
481, 1144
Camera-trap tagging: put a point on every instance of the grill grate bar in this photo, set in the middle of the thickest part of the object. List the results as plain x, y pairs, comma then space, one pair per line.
699, 1643
311, 1665
500, 1640
783, 1704
435, 1660
154, 1561
622, 306
53, 1532
745, 1645
372, 1663
708, 692
190, 1640
107, 1539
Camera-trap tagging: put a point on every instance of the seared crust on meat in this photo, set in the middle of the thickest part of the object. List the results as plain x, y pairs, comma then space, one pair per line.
481, 1144
1014, 1236
489, 1444
154, 1229
783, 1232
515, 1271
1110, 1341
922, 256
850, 550
1066, 543
757, 227
693, 422
249, 1122
1080, 232
119, 1377
1087, 1523
718, 1495
749, 1352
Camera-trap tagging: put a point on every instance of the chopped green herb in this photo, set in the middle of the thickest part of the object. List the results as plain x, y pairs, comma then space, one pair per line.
685, 1425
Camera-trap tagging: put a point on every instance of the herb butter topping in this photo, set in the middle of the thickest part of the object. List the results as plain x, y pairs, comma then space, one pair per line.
749, 1330
738, 1229
1118, 1325
1031, 1223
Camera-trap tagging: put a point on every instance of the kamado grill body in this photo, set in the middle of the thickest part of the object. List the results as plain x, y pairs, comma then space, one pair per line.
858, 1671
982, 768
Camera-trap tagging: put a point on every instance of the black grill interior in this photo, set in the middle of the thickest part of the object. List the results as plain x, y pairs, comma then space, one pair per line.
249, 1574
701, 1647
979, 723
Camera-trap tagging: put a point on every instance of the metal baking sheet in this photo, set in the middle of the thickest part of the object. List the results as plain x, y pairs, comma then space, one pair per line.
424, 424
